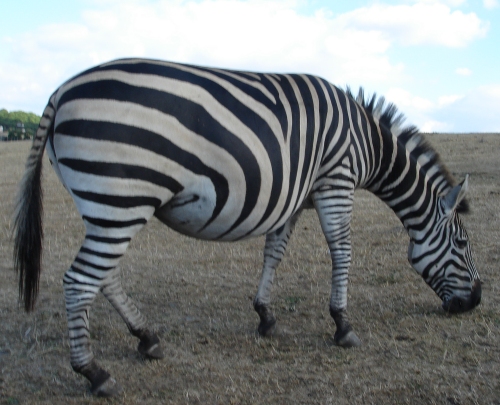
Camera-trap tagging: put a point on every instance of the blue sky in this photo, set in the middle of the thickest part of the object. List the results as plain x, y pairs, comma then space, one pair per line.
437, 60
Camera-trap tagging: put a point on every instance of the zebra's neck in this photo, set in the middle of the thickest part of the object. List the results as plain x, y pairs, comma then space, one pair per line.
408, 175
411, 187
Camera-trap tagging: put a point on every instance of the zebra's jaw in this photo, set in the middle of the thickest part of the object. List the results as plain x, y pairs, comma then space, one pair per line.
456, 304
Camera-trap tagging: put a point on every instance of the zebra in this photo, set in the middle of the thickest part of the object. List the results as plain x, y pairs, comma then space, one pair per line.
227, 155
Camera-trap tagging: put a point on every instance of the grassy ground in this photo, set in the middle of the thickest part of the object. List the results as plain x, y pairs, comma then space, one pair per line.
198, 296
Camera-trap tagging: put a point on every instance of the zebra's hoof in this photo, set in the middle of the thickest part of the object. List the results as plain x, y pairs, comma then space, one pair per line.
109, 388
347, 340
267, 329
267, 325
149, 346
153, 352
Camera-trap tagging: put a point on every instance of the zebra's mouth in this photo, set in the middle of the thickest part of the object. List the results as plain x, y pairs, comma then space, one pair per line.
456, 304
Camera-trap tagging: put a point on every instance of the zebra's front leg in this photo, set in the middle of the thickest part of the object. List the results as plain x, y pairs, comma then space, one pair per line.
274, 250
341, 260
149, 343
334, 213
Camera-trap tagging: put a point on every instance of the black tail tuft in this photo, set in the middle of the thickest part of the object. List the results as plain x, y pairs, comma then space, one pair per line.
28, 238
28, 230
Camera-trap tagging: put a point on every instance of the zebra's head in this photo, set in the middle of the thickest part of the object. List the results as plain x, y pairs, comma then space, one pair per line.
443, 256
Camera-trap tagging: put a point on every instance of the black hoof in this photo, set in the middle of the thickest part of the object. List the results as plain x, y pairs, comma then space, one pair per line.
344, 336
101, 383
267, 329
150, 347
267, 326
347, 340
109, 388
152, 352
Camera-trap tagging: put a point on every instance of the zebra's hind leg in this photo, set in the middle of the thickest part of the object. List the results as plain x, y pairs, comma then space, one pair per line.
274, 250
80, 289
105, 243
149, 344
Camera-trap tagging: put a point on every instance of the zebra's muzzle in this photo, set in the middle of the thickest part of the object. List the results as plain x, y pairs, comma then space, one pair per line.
457, 304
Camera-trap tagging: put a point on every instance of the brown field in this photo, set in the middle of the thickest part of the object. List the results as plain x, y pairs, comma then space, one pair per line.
198, 296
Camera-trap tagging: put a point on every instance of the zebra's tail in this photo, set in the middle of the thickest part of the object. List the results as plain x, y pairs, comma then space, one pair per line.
28, 230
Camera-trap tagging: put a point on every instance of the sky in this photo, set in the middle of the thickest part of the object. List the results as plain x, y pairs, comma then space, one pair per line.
438, 61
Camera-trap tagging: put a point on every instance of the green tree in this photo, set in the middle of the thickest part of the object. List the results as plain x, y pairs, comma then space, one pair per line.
10, 120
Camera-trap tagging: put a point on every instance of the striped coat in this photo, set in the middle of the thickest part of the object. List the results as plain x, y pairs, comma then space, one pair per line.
225, 155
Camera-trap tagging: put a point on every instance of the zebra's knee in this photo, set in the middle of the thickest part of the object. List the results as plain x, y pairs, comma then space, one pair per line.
78, 296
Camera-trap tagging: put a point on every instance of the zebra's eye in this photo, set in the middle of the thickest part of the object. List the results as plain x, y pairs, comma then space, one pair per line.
461, 242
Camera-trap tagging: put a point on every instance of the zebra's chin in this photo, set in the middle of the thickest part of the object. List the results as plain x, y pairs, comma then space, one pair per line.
456, 304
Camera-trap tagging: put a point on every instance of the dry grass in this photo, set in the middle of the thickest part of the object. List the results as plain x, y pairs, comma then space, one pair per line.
198, 296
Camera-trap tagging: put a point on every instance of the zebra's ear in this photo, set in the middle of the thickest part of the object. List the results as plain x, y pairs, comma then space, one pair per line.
455, 199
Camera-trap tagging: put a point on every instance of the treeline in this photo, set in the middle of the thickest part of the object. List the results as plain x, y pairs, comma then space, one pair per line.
19, 124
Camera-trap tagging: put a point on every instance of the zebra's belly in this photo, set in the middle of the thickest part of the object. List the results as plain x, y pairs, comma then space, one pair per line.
194, 213
188, 214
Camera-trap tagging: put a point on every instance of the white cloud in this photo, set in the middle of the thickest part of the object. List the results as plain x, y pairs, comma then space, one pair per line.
422, 23
405, 100
266, 35
490, 4
463, 71
417, 110
447, 100
431, 126
454, 3
476, 111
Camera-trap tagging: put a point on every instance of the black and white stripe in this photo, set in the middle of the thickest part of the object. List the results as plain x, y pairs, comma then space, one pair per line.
226, 155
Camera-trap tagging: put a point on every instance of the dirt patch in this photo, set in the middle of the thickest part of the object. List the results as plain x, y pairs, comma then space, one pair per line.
198, 296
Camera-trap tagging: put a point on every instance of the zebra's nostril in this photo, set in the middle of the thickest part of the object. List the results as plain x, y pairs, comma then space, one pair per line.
455, 305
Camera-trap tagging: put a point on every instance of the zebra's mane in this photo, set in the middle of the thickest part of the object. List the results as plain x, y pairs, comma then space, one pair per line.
409, 136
